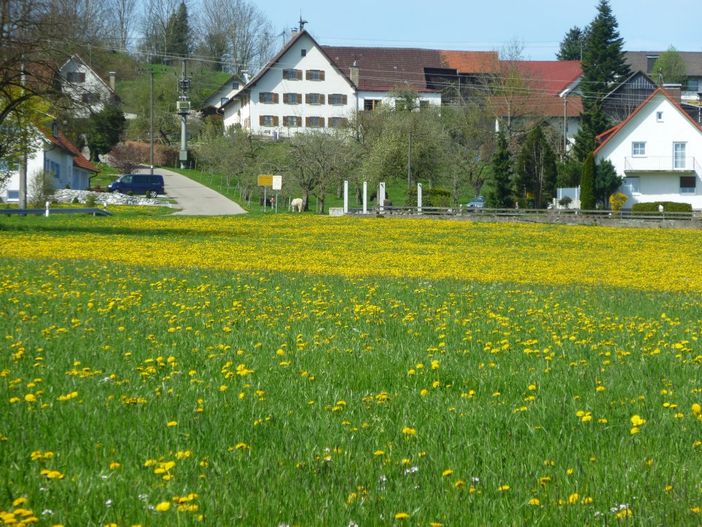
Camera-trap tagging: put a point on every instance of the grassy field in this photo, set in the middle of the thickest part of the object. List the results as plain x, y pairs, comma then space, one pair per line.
300, 370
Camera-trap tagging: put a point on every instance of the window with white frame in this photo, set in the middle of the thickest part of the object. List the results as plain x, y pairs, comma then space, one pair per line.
268, 120
314, 98
337, 99
314, 122
688, 184
292, 98
292, 121
315, 75
292, 74
267, 97
638, 149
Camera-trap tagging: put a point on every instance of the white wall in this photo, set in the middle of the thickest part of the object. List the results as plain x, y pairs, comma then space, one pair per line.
248, 115
434, 99
658, 181
92, 85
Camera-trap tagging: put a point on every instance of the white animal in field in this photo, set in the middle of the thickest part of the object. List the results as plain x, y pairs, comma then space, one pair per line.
296, 204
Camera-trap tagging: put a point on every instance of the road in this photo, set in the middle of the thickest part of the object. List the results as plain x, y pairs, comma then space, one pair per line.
194, 199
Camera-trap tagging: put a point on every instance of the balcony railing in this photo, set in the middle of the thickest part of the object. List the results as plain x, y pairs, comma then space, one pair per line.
661, 164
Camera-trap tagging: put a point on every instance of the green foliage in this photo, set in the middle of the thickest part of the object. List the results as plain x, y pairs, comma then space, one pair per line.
668, 206
535, 179
603, 66
178, 37
569, 171
571, 47
670, 68
41, 188
606, 181
587, 184
105, 129
499, 187
431, 197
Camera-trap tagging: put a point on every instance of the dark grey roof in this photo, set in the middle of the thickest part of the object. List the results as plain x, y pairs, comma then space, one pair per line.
638, 60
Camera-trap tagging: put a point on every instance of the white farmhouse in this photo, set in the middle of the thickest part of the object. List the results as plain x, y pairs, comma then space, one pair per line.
84, 87
299, 89
658, 151
311, 87
55, 155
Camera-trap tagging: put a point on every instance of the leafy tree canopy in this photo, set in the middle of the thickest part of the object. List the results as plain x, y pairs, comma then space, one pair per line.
670, 68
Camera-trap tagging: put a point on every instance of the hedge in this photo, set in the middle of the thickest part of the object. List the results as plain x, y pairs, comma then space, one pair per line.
668, 206
431, 197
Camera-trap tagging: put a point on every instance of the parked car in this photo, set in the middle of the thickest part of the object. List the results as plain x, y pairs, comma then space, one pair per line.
476, 203
150, 185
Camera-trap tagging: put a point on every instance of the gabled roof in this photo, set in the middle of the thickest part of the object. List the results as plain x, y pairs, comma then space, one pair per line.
549, 77
77, 58
628, 80
606, 136
271, 63
62, 142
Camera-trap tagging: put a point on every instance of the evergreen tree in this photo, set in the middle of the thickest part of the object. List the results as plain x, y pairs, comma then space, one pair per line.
603, 65
178, 38
587, 184
572, 45
105, 130
536, 169
607, 181
499, 194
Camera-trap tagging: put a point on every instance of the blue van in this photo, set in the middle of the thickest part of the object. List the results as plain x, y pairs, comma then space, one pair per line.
150, 185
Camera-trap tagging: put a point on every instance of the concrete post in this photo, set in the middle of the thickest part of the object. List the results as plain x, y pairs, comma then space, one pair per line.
365, 197
419, 198
346, 196
47, 205
381, 196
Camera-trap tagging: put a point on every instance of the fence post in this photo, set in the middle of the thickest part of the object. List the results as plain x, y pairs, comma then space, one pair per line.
381, 196
419, 198
365, 197
346, 196
47, 205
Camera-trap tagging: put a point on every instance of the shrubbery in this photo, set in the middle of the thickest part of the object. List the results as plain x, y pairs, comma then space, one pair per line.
668, 206
431, 197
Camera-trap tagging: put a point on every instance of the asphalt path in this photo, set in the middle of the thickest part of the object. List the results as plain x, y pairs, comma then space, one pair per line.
194, 199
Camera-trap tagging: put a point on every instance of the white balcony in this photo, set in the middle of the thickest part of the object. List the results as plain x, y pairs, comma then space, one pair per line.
658, 164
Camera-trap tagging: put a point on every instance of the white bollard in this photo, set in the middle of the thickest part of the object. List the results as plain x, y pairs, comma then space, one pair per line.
381, 196
419, 198
365, 197
346, 197
47, 205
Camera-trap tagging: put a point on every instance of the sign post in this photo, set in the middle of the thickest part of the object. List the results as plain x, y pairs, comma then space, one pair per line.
277, 185
265, 181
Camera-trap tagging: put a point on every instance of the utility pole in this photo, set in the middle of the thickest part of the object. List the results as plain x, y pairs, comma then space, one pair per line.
183, 107
151, 120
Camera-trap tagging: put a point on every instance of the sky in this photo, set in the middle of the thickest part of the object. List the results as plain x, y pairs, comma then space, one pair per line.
538, 25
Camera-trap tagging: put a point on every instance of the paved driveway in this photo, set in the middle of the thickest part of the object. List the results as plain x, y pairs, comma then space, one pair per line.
195, 199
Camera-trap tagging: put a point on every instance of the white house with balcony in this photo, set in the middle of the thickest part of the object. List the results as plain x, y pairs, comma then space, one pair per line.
658, 152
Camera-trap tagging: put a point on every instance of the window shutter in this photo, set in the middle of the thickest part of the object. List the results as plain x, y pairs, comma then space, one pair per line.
298, 98
298, 74
321, 75
275, 98
307, 121
321, 98
275, 120
261, 120
344, 99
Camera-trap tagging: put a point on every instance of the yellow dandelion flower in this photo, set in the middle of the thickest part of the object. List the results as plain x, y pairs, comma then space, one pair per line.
172, 424
446, 473
409, 431
535, 502
163, 506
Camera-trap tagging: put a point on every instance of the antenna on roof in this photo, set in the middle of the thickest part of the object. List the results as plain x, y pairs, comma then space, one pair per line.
301, 23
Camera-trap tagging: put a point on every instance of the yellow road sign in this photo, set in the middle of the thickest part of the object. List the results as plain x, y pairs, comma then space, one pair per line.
265, 180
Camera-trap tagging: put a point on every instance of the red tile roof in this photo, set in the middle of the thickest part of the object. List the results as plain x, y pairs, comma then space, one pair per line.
471, 61
62, 142
550, 77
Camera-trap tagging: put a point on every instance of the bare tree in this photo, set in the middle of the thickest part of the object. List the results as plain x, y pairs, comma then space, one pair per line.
155, 25
122, 21
237, 33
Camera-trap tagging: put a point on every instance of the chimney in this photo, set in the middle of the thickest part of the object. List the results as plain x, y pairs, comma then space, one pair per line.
674, 90
354, 73
112, 75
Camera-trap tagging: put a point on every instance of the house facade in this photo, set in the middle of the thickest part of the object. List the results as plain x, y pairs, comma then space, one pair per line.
658, 152
55, 155
646, 60
311, 87
88, 91
299, 90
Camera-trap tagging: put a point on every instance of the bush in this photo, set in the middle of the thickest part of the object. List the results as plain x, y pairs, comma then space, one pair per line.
431, 197
668, 206
91, 200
